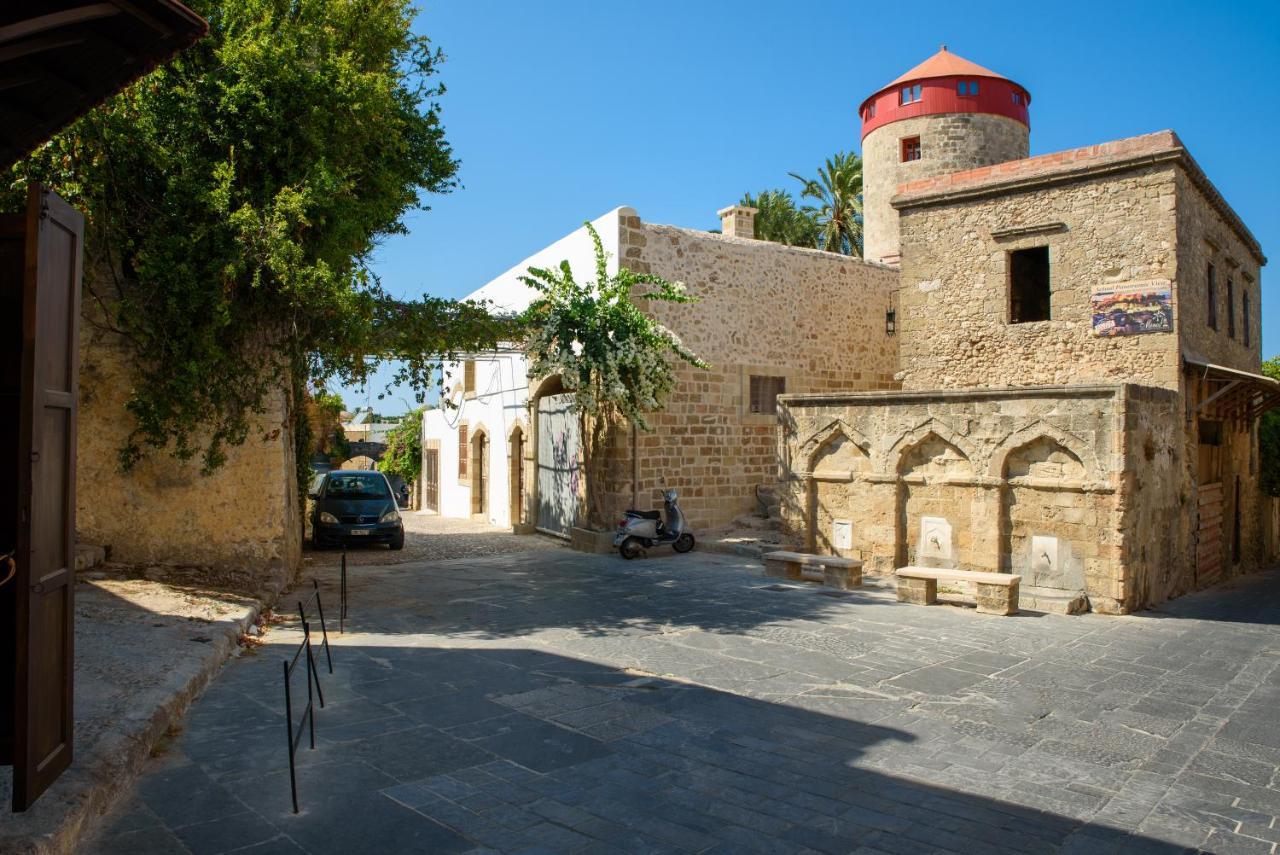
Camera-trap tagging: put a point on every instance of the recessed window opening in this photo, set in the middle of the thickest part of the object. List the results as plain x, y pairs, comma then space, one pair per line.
910, 149
1231, 308
967, 87
1017, 98
765, 392
1029, 285
909, 94
1212, 297
871, 110
1245, 317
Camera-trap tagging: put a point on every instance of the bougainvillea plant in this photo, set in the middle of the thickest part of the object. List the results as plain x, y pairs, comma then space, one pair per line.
613, 358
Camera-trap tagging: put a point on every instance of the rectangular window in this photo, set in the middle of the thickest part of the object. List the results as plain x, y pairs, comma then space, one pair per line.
765, 392
1231, 308
1246, 319
463, 451
1029, 285
1209, 462
871, 110
967, 87
1017, 98
909, 94
469, 376
910, 149
1212, 297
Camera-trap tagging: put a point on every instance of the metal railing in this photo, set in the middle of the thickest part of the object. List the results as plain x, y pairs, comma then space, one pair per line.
307, 722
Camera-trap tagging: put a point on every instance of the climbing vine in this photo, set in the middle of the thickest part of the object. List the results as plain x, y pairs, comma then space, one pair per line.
234, 198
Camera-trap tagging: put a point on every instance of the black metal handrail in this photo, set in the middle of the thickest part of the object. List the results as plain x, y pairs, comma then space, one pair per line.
342, 597
308, 720
324, 630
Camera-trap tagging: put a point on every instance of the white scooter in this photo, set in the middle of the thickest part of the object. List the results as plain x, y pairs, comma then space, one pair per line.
639, 530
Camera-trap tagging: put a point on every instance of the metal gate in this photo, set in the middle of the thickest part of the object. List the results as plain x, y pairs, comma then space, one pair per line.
431, 480
559, 464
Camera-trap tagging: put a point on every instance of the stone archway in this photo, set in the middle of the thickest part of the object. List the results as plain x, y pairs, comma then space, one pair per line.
935, 503
1047, 529
516, 442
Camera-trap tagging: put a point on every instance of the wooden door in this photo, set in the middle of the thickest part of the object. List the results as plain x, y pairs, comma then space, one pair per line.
559, 479
1209, 541
44, 586
481, 479
431, 480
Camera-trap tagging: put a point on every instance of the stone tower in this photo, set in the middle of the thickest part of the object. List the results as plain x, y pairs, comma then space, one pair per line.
945, 115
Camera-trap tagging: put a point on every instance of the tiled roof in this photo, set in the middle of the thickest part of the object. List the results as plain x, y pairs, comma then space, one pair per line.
944, 63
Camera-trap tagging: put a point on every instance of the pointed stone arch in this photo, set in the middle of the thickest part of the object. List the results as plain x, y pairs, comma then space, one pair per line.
1039, 431
914, 439
837, 431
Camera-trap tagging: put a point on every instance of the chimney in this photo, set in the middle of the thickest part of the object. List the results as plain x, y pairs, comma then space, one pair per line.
738, 221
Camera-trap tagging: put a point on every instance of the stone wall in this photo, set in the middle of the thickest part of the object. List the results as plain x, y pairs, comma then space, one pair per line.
1106, 229
948, 143
976, 480
242, 518
816, 319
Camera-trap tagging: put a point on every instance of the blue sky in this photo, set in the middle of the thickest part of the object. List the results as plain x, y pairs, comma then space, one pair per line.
560, 111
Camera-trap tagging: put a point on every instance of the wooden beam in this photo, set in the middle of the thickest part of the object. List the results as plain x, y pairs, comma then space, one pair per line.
42, 44
56, 20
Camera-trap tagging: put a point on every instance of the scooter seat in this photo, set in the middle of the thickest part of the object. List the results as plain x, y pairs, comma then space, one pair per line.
645, 515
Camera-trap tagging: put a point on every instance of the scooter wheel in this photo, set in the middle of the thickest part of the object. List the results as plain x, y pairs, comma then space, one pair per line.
684, 543
630, 548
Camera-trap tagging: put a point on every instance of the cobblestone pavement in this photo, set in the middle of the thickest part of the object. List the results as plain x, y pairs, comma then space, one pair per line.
429, 537
558, 703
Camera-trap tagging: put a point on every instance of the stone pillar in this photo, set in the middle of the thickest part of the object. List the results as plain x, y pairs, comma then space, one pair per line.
738, 221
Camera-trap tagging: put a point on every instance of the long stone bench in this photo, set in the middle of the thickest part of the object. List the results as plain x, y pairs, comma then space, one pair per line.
996, 593
836, 572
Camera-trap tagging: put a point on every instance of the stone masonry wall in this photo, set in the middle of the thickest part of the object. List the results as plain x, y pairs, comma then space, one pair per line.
948, 143
816, 319
242, 517
1105, 230
1003, 469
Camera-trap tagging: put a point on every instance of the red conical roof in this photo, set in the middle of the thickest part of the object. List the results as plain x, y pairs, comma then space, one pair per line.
944, 63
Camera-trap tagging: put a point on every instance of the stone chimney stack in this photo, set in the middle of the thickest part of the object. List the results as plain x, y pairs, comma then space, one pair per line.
738, 221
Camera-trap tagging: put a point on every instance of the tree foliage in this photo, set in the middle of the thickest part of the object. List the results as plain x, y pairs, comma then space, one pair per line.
403, 456
837, 190
781, 220
1269, 438
234, 197
613, 357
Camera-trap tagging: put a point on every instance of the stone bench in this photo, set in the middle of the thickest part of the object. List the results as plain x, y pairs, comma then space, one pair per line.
997, 593
836, 572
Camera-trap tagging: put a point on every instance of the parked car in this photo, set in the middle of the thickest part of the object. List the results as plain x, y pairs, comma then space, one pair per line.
355, 506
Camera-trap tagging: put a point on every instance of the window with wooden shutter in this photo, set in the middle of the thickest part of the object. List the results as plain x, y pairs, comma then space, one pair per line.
765, 392
462, 452
469, 376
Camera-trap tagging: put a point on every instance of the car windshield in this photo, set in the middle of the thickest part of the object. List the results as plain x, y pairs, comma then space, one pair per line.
357, 487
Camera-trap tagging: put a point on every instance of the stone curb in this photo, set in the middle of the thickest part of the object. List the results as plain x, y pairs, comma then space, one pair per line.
117, 760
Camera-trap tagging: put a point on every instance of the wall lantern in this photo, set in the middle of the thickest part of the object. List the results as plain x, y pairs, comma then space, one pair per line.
890, 321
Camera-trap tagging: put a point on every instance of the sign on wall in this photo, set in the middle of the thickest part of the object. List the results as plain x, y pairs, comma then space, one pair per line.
1132, 308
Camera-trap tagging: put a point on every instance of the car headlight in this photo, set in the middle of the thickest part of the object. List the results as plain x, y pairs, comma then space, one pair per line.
390, 516
326, 517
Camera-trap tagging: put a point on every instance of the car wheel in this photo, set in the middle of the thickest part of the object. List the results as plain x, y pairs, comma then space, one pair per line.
630, 548
397, 543
683, 543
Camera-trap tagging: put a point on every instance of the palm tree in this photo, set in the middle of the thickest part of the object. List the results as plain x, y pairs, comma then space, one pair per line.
780, 220
838, 192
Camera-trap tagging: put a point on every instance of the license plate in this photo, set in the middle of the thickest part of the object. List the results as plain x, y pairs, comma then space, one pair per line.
359, 531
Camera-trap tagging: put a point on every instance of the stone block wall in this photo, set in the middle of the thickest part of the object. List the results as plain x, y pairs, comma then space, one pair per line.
816, 319
948, 143
1107, 229
243, 517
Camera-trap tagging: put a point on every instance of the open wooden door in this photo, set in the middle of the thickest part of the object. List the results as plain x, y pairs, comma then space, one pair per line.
44, 585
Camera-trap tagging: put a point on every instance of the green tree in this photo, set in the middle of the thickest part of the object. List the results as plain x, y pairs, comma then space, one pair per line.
234, 197
403, 456
1269, 438
780, 220
838, 212
618, 362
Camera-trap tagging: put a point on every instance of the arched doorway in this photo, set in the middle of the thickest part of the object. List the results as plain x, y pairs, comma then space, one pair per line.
516, 475
479, 466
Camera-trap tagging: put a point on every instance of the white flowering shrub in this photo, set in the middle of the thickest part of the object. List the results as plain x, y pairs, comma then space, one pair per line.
613, 358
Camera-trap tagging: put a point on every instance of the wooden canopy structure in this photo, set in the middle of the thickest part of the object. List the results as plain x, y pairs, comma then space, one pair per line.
1231, 394
61, 58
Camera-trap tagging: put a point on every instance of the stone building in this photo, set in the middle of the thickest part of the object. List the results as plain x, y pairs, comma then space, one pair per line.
715, 441
1079, 347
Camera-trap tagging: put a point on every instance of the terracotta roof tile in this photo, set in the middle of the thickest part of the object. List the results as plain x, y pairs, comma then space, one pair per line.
944, 63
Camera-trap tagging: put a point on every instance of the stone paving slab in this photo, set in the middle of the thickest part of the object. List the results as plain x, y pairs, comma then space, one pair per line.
559, 702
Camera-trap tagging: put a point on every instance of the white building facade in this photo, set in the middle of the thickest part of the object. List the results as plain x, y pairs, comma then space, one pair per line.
476, 443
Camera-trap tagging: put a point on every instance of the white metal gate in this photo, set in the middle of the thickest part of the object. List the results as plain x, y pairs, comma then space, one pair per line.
559, 446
